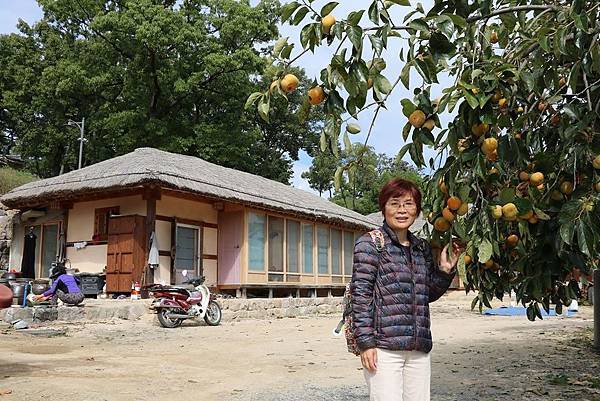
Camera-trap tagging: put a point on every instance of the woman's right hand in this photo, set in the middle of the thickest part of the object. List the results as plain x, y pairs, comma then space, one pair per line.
368, 358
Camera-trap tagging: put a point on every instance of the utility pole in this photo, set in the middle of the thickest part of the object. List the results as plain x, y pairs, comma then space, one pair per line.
81, 126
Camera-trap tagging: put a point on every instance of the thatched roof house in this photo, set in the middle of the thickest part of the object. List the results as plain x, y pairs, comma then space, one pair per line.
238, 229
148, 166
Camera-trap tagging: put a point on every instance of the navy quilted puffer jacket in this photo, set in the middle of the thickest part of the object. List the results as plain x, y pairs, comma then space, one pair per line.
391, 296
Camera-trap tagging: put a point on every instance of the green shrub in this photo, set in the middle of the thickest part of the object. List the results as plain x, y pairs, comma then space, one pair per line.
11, 178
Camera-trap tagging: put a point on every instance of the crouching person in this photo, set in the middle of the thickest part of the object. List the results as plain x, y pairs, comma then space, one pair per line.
64, 287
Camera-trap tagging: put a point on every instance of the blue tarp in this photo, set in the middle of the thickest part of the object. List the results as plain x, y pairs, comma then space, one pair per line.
519, 311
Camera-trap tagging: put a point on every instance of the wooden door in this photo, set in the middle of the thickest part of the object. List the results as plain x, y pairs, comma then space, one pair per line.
228, 250
126, 251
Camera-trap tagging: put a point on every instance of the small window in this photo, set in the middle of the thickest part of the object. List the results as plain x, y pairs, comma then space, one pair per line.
256, 240
101, 222
275, 245
293, 239
348, 252
336, 251
323, 249
307, 248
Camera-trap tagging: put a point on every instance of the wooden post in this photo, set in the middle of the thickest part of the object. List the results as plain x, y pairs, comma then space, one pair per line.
597, 309
151, 195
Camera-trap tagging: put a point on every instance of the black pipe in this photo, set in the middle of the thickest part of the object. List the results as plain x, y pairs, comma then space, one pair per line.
597, 309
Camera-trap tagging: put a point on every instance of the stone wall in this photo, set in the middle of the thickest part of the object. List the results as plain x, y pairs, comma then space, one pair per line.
260, 308
6, 235
101, 310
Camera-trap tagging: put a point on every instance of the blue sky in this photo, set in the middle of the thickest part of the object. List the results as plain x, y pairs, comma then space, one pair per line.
387, 134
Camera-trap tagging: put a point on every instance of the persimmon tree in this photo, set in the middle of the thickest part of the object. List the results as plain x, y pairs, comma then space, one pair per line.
516, 176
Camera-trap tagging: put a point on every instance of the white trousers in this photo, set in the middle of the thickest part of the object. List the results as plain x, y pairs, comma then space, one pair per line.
400, 376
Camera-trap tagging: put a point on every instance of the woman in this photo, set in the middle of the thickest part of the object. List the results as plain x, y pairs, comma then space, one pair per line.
391, 292
64, 287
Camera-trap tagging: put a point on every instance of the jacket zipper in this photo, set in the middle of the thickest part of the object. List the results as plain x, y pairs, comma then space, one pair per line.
414, 300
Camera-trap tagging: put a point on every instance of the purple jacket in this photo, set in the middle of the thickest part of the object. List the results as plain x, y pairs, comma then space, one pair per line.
66, 283
391, 293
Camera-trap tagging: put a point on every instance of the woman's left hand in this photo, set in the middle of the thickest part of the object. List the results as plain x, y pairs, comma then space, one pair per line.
448, 263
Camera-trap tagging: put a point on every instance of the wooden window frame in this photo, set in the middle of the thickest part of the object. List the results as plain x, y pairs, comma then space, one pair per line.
104, 212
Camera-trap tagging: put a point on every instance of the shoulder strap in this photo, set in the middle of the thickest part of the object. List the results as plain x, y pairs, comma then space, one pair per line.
378, 239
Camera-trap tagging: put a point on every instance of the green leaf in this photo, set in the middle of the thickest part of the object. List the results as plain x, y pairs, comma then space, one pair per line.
382, 84
530, 313
328, 8
354, 17
507, 195
485, 251
457, 20
279, 45
541, 214
407, 107
471, 99
445, 25
323, 141
300, 14
474, 302
406, 131
419, 25
337, 178
461, 268
263, 109
305, 35
347, 143
403, 150
355, 35
288, 10
252, 98
353, 128
377, 44
374, 12
405, 75
285, 53
566, 232
401, 2
440, 44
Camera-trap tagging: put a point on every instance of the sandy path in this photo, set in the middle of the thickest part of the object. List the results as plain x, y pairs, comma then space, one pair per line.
475, 358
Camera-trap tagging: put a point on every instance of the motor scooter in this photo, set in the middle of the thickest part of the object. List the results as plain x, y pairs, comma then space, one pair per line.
175, 303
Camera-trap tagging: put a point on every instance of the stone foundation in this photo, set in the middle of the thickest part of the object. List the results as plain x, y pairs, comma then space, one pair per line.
100, 310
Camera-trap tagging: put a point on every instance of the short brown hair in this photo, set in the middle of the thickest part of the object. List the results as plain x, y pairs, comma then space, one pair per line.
399, 187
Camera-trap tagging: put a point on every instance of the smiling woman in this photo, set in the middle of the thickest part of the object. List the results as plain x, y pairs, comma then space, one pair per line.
391, 291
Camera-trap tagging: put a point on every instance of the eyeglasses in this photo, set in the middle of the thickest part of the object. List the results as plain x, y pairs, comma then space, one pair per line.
394, 206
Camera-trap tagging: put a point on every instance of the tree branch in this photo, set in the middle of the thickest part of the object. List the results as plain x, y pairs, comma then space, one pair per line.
587, 91
511, 10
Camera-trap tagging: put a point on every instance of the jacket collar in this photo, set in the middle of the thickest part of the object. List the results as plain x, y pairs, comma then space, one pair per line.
415, 242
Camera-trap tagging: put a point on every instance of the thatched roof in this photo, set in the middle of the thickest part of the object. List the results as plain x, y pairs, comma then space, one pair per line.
185, 173
377, 218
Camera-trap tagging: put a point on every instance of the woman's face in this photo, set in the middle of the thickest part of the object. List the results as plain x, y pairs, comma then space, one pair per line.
400, 212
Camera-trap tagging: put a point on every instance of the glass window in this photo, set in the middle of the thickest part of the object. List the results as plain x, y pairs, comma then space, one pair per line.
275, 244
348, 252
336, 251
49, 248
293, 240
322, 249
186, 254
256, 240
307, 248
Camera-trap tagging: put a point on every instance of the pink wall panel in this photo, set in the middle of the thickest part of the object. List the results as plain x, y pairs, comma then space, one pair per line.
230, 242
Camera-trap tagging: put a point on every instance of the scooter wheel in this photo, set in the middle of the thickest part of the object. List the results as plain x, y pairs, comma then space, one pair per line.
213, 314
166, 321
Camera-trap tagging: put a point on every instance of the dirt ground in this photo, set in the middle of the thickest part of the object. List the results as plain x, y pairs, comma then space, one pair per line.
474, 358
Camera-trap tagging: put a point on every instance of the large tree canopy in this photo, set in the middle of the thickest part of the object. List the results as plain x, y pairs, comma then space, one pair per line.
523, 147
171, 75
373, 171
